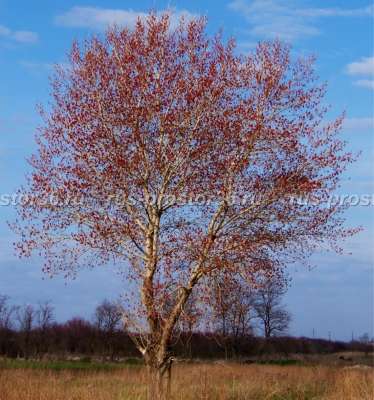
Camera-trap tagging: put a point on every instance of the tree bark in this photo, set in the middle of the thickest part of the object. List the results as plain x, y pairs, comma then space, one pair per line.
154, 383
159, 381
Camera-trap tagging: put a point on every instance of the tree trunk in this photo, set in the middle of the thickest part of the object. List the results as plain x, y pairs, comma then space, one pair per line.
155, 389
159, 382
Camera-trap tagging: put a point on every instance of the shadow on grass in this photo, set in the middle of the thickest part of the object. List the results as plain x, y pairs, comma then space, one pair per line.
279, 362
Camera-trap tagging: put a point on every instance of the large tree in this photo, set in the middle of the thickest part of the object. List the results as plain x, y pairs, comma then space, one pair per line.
170, 154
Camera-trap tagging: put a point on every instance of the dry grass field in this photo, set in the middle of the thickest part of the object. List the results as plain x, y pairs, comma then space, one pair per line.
219, 381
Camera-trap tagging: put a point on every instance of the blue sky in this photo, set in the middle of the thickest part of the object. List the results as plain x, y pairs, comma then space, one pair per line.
337, 295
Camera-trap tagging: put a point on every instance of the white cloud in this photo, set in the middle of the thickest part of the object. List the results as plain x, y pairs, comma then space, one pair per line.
37, 66
101, 18
364, 68
285, 20
4, 31
25, 36
366, 83
364, 123
336, 12
41, 68
19, 36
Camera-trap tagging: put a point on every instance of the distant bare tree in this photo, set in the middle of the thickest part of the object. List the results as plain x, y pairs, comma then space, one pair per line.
108, 316
365, 339
189, 320
26, 316
233, 310
269, 309
44, 315
6, 312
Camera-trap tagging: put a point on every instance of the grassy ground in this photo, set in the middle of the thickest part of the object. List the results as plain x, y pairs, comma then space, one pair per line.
215, 381
62, 365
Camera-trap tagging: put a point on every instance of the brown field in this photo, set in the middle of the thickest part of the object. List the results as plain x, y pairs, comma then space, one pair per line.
220, 381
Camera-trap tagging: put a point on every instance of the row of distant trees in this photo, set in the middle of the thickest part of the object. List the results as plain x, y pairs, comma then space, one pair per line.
230, 329
235, 314
32, 331
232, 313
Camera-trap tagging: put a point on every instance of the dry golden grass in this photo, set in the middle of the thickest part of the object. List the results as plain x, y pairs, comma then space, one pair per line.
194, 382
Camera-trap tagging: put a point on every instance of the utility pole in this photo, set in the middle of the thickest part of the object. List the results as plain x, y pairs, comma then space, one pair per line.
329, 336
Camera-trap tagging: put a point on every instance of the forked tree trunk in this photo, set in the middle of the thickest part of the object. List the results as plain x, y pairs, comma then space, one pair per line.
159, 382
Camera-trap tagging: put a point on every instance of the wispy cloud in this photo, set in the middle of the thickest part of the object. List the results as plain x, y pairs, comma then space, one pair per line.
364, 123
365, 69
100, 18
37, 66
285, 20
336, 12
4, 31
42, 69
365, 83
18, 36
